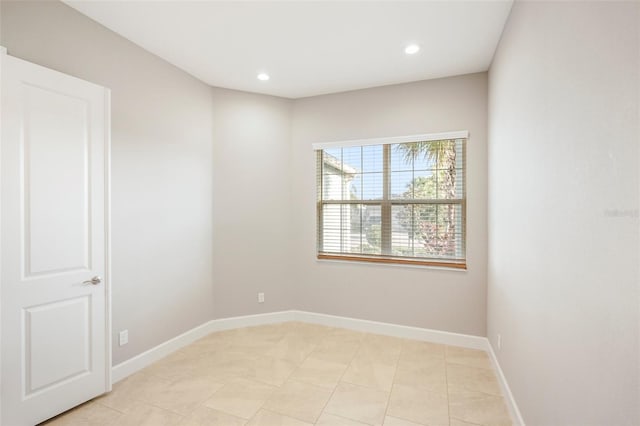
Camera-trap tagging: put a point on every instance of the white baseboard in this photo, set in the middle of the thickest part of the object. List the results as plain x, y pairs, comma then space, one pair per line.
146, 358
138, 362
395, 330
514, 411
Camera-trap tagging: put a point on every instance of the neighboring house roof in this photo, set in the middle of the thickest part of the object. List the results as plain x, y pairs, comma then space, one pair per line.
334, 163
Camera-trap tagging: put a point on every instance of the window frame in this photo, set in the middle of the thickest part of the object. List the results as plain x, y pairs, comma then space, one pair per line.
387, 202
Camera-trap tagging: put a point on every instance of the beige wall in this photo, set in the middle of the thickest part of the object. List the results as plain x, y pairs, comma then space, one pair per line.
252, 203
161, 168
432, 298
214, 189
214, 198
563, 223
264, 205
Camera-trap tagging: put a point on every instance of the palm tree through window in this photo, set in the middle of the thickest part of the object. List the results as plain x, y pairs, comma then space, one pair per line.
393, 202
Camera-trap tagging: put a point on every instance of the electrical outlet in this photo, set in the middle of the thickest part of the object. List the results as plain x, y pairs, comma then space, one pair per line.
260, 297
499, 341
124, 337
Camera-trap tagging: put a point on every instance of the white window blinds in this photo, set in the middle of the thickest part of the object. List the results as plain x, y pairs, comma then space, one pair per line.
396, 200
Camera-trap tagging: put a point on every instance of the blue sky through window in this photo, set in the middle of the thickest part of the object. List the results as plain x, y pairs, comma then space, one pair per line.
365, 165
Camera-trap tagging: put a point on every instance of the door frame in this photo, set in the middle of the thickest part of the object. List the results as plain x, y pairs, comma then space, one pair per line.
107, 224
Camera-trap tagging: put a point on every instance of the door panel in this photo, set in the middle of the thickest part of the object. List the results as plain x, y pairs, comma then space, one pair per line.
56, 148
53, 356
54, 165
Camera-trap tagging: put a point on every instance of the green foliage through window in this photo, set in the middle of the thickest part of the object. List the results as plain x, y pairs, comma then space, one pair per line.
404, 200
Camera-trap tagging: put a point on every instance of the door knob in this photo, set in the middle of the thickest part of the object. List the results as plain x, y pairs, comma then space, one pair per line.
95, 280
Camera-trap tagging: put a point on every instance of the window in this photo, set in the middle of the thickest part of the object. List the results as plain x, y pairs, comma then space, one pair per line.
396, 200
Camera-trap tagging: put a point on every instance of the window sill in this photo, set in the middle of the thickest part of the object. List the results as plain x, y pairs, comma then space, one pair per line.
395, 261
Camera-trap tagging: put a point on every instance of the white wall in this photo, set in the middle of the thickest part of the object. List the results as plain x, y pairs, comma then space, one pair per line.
161, 168
432, 298
252, 203
563, 202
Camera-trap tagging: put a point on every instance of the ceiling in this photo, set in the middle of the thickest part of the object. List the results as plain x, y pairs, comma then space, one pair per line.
309, 47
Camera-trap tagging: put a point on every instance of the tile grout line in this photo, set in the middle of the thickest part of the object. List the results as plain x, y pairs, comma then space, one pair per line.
326, 333
321, 336
446, 378
340, 379
152, 404
393, 380
203, 403
425, 390
288, 377
102, 405
271, 394
466, 421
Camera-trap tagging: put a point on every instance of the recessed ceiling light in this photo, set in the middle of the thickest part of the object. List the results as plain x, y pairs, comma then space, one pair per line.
263, 76
411, 49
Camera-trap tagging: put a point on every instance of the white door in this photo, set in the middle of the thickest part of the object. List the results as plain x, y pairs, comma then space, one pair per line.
54, 213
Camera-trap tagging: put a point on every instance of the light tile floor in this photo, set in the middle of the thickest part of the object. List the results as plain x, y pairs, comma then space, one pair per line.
298, 374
